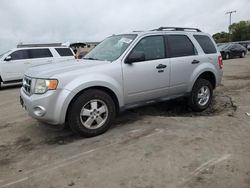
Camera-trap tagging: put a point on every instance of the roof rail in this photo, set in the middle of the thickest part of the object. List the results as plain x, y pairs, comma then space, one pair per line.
177, 29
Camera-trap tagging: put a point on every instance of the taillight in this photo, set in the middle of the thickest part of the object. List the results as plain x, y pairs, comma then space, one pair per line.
220, 62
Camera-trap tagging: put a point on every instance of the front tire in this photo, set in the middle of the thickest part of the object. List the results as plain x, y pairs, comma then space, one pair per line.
91, 113
201, 95
227, 56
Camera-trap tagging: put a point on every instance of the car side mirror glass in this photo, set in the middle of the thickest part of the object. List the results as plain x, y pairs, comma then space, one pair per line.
8, 58
135, 57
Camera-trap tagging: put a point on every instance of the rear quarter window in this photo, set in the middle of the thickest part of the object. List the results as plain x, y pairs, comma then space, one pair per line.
206, 44
64, 51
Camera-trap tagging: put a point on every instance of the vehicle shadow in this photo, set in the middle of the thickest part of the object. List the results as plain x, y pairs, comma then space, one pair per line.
177, 108
10, 87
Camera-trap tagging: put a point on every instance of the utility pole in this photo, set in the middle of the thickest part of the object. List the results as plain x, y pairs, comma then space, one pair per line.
230, 22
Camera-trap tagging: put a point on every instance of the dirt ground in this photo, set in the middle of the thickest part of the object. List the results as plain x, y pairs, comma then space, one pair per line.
160, 146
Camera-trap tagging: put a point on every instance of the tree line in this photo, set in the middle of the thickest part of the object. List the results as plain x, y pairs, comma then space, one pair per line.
238, 32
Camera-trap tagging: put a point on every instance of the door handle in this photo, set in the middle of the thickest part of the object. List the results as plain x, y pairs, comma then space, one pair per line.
27, 63
161, 66
195, 61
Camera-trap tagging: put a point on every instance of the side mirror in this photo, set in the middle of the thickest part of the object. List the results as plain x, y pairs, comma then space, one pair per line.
135, 57
8, 58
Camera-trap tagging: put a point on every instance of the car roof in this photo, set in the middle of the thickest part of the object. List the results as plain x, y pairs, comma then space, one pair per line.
43, 47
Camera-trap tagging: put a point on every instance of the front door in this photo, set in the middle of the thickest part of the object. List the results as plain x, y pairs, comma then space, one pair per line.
147, 79
14, 68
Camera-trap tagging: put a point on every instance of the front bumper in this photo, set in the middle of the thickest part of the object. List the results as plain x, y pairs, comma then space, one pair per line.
50, 107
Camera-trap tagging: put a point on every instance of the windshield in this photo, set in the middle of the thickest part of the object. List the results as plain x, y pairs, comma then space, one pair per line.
111, 48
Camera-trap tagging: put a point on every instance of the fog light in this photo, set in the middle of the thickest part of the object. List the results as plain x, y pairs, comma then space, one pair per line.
39, 111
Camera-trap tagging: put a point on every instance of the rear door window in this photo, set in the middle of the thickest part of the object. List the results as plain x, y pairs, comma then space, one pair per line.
233, 47
64, 51
239, 47
180, 45
40, 53
19, 54
206, 44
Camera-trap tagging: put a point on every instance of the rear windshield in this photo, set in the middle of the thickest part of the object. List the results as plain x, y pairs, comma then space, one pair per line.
206, 44
64, 51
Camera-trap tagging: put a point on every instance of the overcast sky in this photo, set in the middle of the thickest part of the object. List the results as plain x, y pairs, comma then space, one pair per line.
45, 21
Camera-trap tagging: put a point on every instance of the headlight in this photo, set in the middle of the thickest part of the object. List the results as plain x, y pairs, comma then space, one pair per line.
42, 86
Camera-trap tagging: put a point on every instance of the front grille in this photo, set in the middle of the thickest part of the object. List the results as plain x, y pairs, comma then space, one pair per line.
27, 85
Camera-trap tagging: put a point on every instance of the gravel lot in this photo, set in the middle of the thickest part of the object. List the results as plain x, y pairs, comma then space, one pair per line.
159, 146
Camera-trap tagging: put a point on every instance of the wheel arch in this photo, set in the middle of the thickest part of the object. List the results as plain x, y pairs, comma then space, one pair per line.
102, 88
209, 76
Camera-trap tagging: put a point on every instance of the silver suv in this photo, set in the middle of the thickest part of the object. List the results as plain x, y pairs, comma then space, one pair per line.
124, 71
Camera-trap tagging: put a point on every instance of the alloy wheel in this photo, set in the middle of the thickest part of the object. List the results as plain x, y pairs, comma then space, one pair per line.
203, 95
94, 114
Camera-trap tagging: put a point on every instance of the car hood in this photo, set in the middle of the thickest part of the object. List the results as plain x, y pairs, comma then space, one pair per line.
50, 70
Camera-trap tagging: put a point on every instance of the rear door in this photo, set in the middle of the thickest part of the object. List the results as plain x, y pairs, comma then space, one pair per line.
183, 59
14, 68
235, 50
147, 79
240, 49
40, 56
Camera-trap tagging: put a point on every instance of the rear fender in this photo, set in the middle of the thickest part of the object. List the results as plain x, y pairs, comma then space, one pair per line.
204, 67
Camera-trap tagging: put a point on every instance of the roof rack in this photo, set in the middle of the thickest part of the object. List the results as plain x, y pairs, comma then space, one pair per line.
176, 29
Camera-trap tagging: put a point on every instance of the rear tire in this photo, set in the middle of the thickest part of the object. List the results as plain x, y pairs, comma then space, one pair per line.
201, 95
227, 56
242, 54
92, 113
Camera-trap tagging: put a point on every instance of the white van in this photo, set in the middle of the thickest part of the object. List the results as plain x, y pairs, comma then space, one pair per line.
14, 62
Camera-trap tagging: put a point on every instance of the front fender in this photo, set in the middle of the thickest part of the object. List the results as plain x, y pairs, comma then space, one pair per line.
87, 81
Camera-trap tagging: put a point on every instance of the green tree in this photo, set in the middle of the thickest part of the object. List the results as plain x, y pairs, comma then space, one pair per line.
221, 37
240, 31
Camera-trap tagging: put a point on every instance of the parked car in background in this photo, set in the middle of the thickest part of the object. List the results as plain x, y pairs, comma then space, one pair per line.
231, 50
124, 71
248, 47
15, 62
